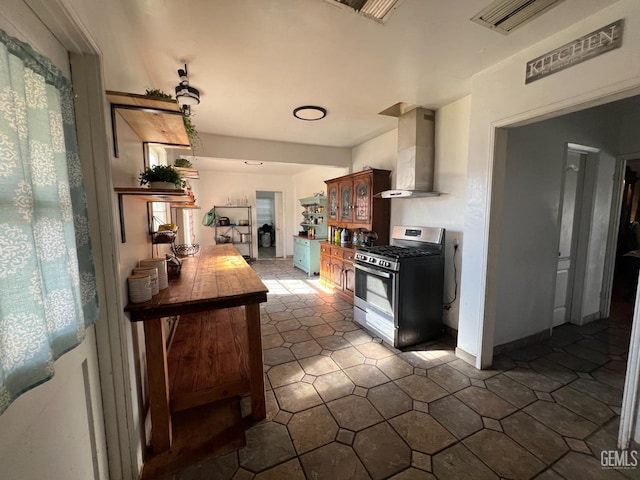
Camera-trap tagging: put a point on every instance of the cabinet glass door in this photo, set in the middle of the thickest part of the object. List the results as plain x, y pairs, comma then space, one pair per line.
346, 207
333, 202
363, 200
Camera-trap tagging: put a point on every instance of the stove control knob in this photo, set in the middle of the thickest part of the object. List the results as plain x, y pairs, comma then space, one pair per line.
385, 264
372, 260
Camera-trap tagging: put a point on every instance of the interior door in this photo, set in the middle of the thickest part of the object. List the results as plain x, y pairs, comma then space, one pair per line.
569, 228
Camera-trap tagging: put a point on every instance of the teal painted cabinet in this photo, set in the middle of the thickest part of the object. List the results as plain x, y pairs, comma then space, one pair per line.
306, 254
306, 246
314, 216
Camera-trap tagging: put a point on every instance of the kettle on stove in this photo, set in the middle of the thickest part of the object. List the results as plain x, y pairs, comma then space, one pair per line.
368, 238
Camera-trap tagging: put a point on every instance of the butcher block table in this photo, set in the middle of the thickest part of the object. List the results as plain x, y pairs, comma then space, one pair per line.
217, 350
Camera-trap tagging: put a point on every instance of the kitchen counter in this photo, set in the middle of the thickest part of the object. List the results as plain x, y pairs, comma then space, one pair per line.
218, 290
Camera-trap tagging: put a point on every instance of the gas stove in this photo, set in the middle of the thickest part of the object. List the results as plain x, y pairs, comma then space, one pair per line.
399, 288
407, 243
391, 256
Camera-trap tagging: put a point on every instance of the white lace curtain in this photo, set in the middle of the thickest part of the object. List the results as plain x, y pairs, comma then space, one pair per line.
47, 281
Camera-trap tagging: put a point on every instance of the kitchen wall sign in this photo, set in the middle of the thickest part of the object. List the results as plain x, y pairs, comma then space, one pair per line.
584, 48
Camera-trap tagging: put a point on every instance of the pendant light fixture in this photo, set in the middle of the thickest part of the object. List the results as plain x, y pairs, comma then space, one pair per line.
186, 95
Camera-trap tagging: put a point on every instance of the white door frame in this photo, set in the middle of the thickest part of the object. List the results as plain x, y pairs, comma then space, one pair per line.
280, 229
113, 356
612, 237
629, 412
94, 147
572, 305
629, 426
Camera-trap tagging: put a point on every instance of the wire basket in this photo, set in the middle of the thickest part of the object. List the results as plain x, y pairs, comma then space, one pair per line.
186, 249
166, 236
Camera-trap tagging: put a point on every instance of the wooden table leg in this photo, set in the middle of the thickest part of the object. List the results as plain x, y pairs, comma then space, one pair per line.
256, 374
158, 380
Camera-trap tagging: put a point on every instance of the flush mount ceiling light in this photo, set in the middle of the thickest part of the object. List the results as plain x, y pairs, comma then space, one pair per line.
310, 113
186, 95
378, 10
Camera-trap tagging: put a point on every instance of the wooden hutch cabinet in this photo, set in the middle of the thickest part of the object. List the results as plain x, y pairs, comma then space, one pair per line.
351, 205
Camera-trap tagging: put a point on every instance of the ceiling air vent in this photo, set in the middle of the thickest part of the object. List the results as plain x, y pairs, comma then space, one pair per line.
504, 16
378, 10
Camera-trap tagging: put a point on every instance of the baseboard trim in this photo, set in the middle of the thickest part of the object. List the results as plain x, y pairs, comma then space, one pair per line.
466, 356
522, 342
452, 332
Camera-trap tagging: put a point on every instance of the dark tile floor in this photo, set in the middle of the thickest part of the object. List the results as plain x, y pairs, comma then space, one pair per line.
342, 405
267, 253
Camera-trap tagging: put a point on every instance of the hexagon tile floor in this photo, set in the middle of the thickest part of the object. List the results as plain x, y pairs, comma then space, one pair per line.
342, 405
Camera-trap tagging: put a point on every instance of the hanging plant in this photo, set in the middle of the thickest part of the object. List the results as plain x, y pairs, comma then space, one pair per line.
192, 133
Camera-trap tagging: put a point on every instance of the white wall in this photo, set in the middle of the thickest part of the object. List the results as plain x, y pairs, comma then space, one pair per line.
49, 431
221, 146
214, 188
125, 170
629, 133
499, 98
55, 430
447, 210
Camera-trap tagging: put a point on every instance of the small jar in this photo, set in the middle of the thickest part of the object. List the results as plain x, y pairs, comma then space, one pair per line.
356, 239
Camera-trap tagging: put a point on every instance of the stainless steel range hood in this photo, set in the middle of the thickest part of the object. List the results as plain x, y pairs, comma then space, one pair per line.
416, 155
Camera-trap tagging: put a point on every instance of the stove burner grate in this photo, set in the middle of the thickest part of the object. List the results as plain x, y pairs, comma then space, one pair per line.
397, 252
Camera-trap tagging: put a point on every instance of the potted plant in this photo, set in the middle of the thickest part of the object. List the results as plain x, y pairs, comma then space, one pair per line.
182, 163
162, 177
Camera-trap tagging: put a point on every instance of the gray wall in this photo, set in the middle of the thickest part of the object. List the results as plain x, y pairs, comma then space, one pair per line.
528, 240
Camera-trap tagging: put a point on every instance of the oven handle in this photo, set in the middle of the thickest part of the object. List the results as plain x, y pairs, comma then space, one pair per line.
372, 271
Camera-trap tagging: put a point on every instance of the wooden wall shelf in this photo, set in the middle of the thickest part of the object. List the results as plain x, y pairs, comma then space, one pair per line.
185, 206
175, 197
189, 173
155, 120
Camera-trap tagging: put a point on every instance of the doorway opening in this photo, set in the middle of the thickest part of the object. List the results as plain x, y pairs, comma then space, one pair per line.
269, 220
627, 259
543, 189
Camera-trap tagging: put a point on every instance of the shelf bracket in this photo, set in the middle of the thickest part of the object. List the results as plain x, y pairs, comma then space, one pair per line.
123, 234
165, 196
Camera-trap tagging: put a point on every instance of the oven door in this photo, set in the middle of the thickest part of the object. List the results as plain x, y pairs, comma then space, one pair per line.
375, 288
375, 302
